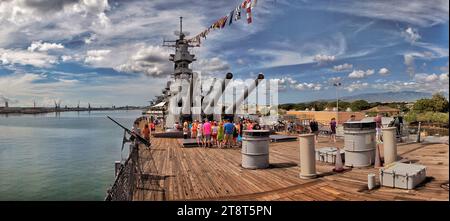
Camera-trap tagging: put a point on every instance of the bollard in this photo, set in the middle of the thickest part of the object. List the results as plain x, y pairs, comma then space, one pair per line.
377, 156
390, 145
307, 159
371, 181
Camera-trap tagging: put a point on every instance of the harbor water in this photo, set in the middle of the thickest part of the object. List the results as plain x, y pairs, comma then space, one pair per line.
60, 156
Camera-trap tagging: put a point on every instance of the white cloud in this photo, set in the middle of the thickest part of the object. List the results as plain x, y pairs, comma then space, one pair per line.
335, 79
20, 11
444, 77
66, 58
409, 62
240, 61
383, 71
3, 99
93, 56
22, 85
22, 57
91, 38
357, 85
342, 67
105, 90
213, 65
411, 34
148, 60
361, 73
426, 78
44, 46
289, 82
308, 86
418, 12
422, 82
409, 59
321, 58
103, 21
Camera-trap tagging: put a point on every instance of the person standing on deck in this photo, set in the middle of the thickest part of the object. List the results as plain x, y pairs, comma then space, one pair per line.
185, 130
228, 129
256, 126
352, 118
314, 127
397, 124
185, 124
207, 133
214, 131
190, 127
146, 132
333, 129
235, 133
194, 130
249, 125
220, 135
152, 127
378, 125
200, 134
241, 129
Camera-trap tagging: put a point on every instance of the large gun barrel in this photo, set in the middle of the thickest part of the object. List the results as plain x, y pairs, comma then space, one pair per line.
213, 100
232, 109
141, 139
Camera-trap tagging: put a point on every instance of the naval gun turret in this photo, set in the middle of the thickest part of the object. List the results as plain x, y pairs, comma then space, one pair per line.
211, 103
231, 110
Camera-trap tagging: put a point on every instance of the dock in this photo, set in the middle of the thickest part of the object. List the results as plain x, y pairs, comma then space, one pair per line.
171, 172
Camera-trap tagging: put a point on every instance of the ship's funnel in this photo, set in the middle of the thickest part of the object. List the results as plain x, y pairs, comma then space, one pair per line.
213, 100
232, 109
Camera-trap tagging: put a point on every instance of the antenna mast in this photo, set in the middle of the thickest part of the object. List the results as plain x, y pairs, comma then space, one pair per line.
181, 25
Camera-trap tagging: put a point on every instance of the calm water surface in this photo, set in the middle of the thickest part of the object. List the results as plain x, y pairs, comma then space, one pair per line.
66, 156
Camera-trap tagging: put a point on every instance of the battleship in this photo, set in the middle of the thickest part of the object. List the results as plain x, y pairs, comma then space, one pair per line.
168, 169
185, 99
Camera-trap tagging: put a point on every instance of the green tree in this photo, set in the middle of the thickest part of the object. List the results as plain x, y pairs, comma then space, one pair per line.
440, 103
343, 105
437, 103
423, 105
359, 105
300, 106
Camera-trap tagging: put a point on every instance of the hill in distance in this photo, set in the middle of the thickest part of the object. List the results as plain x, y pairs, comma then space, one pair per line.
385, 97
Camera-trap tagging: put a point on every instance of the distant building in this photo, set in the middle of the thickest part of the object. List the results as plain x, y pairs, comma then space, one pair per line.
410, 105
384, 110
324, 117
6, 104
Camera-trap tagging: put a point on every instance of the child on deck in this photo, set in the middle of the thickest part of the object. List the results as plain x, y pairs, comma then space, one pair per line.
214, 131
199, 134
220, 135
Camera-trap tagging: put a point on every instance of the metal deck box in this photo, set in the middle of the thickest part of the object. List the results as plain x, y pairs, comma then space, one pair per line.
402, 175
328, 154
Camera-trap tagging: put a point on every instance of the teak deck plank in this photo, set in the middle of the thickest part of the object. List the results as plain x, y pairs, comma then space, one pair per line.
197, 173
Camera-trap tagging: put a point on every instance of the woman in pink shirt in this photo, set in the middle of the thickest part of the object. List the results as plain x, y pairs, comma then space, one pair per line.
207, 133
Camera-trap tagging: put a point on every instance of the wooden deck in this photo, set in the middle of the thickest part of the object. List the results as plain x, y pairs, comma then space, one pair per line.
175, 173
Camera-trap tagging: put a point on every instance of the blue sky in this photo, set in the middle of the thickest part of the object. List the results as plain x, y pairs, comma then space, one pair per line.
109, 52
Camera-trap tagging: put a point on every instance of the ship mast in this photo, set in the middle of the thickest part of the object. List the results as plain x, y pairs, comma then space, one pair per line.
183, 76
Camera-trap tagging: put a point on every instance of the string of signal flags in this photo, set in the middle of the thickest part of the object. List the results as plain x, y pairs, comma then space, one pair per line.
235, 14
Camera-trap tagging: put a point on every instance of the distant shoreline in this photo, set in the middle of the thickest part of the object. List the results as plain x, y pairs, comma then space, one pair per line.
45, 110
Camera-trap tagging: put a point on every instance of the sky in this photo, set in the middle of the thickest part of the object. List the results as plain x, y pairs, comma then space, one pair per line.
109, 52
